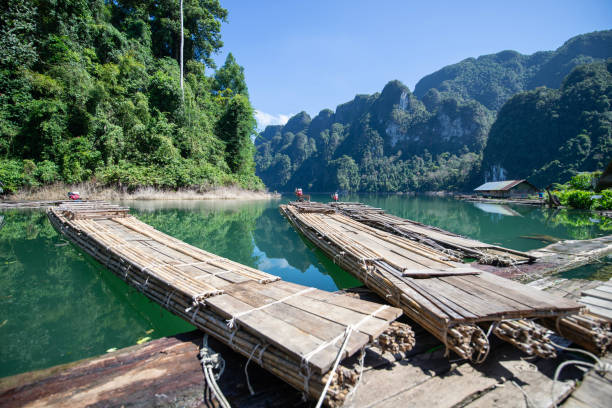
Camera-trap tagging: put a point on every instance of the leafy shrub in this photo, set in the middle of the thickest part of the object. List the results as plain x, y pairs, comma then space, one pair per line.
579, 199
47, 172
11, 175
582, 181
605, 202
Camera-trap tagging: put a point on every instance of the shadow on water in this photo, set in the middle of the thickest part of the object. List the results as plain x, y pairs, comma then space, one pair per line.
58, 305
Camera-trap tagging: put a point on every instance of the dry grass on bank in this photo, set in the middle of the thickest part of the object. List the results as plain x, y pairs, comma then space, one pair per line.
92, 191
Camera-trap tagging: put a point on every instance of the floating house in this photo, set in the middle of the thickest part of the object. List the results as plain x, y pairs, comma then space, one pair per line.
507, 189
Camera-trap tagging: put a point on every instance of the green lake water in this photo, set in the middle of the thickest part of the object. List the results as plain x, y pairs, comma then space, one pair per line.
58, 305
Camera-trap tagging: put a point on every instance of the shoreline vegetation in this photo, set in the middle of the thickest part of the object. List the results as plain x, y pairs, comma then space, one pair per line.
93, 191
90, 93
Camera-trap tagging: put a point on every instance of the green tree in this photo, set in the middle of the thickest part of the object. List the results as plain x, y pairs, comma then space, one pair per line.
235, 128
231, 77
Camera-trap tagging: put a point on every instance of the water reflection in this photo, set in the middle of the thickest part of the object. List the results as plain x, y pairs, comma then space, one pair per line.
58, 305
496, 209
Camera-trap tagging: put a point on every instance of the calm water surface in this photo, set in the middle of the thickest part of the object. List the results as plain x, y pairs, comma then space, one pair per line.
58, 305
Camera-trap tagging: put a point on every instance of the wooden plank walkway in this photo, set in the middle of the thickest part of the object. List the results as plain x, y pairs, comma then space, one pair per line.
448, 306
293, 331
599, 300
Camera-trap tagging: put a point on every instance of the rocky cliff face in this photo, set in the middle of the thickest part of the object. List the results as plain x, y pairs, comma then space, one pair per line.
432, 138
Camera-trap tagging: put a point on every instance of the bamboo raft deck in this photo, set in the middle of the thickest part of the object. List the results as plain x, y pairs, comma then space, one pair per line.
599, 300
295, 332
434, 237
448, 298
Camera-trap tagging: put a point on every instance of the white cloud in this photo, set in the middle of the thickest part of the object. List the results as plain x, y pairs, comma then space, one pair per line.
264, 119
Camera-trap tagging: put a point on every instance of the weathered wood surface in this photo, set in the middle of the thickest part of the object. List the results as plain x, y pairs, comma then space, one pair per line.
438, 303
162, 373
297, 330
379, 258
8, 205
424, 378
595, 390
599, 300
555, 258
435, 237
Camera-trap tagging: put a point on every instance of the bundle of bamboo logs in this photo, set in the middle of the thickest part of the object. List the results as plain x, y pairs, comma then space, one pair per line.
526, 336
435, 285
585, 329
467, 340
433, 237
184, 296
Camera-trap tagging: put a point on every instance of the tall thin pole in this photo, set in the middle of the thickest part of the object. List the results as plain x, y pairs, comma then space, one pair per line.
182, 43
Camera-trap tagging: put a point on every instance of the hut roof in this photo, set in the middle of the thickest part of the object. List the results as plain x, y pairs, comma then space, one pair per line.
502, 185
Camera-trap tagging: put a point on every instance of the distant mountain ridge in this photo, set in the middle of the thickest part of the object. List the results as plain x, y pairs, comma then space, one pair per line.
431, 139
493, 79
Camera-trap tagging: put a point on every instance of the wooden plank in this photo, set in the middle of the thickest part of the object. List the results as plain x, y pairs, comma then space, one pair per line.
600, 311
594, 391
574, 403
373, 326
347, 302
379, 385
276, 331
494, 290
542, 299
317, 326
532, 382
466, 285
594, 301
451, 297
442, 391
598, 294
605, 288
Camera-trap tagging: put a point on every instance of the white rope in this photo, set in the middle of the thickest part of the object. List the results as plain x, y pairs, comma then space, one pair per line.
305, 364
306, 358
528, 400
349, 330
231, 338
207, 357
491, 328
599, 366
169, 296
263, 349
361, 368
194, 313
246, 366
232, 322
127, 270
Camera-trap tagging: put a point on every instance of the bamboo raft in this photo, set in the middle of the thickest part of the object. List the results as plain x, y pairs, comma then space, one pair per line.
452, 300
300, 334
590, 330
436, 238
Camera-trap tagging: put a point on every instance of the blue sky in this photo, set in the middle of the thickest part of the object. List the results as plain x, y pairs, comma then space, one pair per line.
311, 55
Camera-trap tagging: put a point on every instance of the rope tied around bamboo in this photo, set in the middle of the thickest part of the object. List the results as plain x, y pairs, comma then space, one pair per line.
173, 288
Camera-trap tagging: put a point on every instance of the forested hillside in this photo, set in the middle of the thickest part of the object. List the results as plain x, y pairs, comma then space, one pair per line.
555, 133
435, 138
492, 79
90, 90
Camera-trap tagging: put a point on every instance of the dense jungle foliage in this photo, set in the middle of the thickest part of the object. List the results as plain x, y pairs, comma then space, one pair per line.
558, 133
90, 90
448, 135
580, 193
